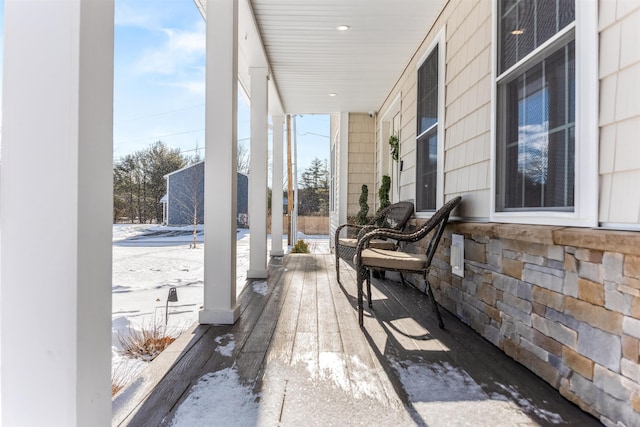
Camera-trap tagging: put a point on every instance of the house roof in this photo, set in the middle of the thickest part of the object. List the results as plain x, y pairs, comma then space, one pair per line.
184, 168
309, 58
190, 166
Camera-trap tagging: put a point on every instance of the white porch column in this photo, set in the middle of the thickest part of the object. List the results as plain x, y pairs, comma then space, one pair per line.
258, 176
56, 213
220, 199
276, 187
343, 168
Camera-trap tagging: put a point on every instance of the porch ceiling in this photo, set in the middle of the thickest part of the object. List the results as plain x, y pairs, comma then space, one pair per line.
310, 59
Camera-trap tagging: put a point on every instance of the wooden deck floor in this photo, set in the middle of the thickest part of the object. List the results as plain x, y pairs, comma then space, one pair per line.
301, 351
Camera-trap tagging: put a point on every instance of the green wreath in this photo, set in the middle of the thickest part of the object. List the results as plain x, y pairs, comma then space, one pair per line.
394, 142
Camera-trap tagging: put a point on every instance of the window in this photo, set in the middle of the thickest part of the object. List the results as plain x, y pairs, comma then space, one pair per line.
536, 104
427, 131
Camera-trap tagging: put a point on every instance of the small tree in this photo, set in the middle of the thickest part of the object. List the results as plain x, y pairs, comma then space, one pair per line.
383, 192
187, 198
313, 197
244, 165
361, 218
195, 199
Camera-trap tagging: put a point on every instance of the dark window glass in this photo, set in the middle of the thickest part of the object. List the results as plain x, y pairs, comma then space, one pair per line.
427, 143
427, 171
537, 135
428, 93
526, 24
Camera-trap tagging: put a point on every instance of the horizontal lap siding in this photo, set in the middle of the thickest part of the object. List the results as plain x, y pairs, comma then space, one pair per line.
562, 302
619, 112
467, 106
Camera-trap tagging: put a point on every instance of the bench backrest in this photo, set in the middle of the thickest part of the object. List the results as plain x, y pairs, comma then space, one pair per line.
394, 216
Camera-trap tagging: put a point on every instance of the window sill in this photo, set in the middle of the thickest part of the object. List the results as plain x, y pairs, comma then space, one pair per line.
564, 219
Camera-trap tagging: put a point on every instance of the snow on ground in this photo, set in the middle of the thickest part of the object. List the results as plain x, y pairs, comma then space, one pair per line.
528, 406
444, 395
440, 394
223, 398
147, 261
218, 398
318, 244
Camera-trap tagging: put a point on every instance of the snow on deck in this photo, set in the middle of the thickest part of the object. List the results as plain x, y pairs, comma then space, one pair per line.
297, 357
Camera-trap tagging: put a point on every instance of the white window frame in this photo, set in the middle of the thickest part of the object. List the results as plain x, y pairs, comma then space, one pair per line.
439, 42
585, 209
385, 162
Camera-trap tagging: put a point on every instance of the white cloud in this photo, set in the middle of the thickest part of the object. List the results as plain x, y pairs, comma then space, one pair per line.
129, 14
194, 87
180, 52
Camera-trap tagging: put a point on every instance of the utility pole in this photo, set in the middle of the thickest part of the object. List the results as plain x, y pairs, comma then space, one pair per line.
289, 182
294, 166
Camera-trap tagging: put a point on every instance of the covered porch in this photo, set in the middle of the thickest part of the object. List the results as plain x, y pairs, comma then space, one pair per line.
560, 298
67, 81
300, 357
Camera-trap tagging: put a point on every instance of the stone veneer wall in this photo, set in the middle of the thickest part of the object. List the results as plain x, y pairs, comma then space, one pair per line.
564, 302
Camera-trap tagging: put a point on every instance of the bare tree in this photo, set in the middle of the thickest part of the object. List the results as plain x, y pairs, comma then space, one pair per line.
243, 157
139, 184
186, 197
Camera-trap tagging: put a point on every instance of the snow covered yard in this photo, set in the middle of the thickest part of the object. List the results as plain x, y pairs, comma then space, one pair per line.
308, 363
145, 266
147, 261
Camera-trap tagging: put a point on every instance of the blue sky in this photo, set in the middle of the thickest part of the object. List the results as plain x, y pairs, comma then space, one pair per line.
159, 83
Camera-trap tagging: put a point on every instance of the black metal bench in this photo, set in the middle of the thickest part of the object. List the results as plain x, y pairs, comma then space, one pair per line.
369, 258
394, 217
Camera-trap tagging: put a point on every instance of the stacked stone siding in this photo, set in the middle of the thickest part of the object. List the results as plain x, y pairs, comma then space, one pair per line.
564, 302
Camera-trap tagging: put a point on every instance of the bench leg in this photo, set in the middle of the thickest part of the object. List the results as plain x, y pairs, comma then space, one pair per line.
360, 297
435, 306
337, 266
369, 272
403, 280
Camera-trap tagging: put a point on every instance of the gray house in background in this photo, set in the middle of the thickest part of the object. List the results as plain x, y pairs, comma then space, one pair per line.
185, 196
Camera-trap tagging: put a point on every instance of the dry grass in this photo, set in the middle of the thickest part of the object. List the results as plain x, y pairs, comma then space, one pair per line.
145, 344
120, 376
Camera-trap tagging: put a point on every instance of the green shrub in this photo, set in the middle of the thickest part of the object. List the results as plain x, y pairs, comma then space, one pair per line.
361, 218
301, 247
383, 192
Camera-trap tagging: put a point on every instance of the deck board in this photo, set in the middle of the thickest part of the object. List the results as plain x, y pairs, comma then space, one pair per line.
301, 350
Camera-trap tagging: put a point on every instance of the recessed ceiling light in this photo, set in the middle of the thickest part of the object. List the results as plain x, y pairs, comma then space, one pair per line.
343, 27
333, 94
517, 31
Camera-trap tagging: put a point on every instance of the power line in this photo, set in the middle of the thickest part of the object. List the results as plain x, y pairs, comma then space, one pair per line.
160, 136
193, 149
158, 114
311, 133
